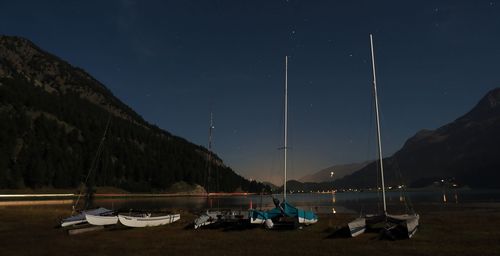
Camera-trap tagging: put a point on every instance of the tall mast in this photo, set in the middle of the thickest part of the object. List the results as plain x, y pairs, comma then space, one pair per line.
378, 123
286, 121
210, 149
210, 131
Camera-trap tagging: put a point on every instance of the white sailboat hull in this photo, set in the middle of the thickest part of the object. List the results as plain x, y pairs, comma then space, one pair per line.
206, 219
357, 226
99, 220
147, 221
307, 221
71, 223
408, 222
257, 220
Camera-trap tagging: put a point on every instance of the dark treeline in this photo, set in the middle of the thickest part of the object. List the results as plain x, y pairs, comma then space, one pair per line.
50, 140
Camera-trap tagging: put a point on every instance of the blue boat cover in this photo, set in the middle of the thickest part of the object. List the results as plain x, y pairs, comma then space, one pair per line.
284, 209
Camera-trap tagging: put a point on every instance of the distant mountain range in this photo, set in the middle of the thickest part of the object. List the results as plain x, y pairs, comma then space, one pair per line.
52, 119
466, 150
333, 173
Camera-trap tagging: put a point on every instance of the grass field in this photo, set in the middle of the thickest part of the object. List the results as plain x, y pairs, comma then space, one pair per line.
451, 230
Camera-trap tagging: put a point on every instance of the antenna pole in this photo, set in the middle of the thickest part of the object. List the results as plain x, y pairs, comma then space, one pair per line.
378, 123
286, 122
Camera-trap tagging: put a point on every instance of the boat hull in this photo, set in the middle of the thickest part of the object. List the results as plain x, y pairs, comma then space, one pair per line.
206, 219
357, 226
404, 225
99, 220
147, 221
80, 217
222, 217
72, 223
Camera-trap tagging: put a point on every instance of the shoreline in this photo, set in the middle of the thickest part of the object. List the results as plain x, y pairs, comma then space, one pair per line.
48, 199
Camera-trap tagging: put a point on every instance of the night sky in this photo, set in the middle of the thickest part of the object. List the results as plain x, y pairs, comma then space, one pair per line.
175, 61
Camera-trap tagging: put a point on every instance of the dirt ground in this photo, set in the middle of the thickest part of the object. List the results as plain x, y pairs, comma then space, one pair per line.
472, 229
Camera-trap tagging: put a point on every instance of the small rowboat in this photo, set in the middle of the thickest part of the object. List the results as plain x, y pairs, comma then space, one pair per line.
146, 220
102, 220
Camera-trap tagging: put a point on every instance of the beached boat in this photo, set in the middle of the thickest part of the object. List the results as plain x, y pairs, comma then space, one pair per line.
395, 226
80, 217
283, 212
221, 217
205, 219
147, 220
402, 226
357, 226
209, 217
103, 219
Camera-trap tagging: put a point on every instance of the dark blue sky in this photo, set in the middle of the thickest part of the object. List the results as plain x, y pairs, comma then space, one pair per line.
173, 61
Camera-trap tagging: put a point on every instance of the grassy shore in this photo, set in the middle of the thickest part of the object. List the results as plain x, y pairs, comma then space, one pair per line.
451, 230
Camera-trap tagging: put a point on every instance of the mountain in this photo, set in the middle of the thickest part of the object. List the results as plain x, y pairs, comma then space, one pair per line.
466, 150
52, 119
271, 185
297, 186
338, 171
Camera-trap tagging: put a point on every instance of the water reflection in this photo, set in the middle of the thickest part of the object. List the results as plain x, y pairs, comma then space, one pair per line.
345, 202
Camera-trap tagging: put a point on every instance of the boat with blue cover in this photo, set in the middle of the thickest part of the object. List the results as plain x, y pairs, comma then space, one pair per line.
283, 212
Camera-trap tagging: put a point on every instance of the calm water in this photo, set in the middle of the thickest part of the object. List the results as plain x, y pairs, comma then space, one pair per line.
346, 202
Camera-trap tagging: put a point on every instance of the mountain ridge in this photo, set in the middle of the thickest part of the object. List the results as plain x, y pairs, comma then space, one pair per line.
461, 150
339, 171
53, 115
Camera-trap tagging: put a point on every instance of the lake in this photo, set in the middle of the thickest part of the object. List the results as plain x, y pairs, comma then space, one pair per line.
345, 202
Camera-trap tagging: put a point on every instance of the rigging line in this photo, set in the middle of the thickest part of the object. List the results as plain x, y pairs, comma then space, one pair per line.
407, 200
369, 149
94, 161
379, 196
209, 154
379, 140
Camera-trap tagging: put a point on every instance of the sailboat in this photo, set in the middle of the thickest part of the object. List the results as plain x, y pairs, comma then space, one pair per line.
80, 217
209, 217
396, 226
283, 210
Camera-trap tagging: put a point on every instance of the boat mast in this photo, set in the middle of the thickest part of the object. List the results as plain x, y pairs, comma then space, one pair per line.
210, 150
92, 167
378, 123
286, 122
